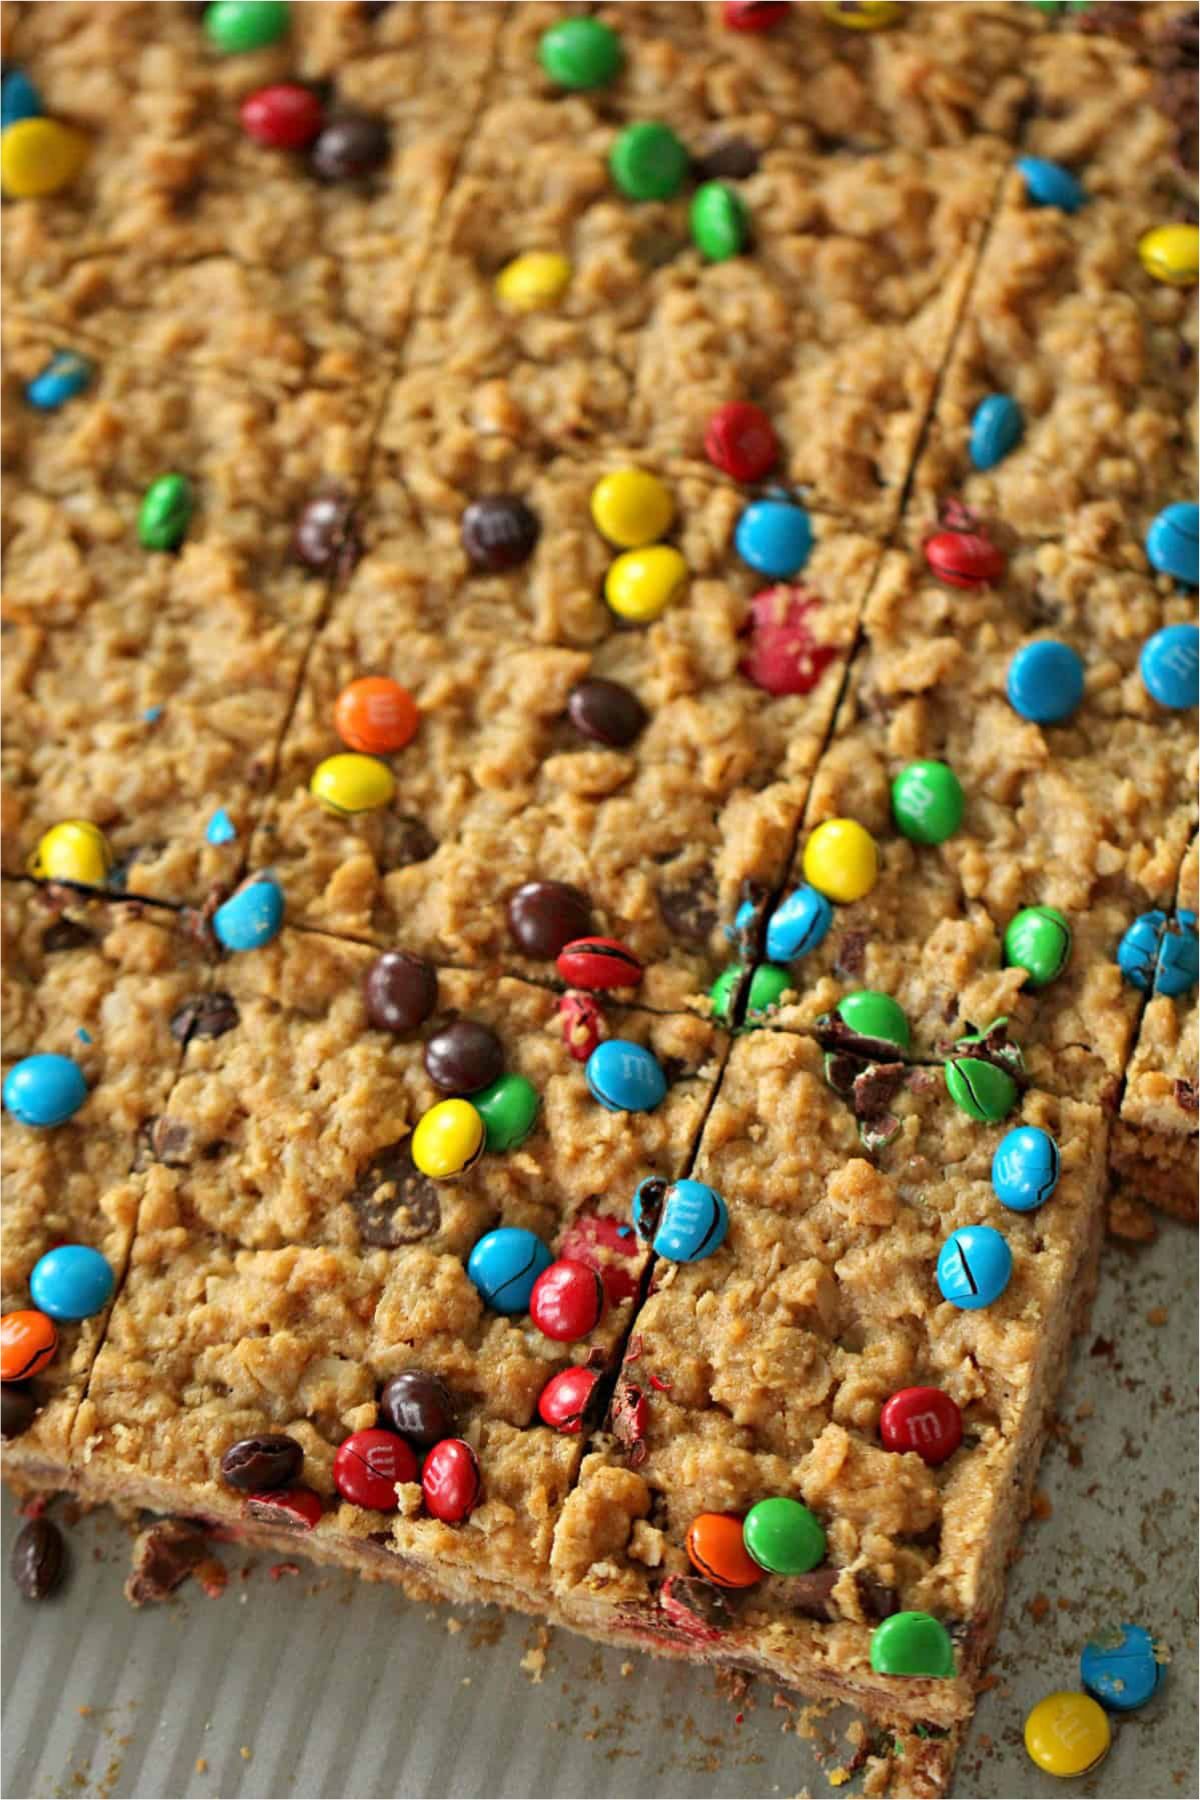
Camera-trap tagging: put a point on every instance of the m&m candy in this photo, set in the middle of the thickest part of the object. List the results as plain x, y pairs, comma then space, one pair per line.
1025, 1168
565, 1398
740, 441
1038, 940
285, 116
578, 54
533, 281
800, 923
648, 161
641, 584
351, 783
28, 1341
718, 221
924, 1420
368, 1465
19, 99
768, 985
504, 1266
632, 508
974, 1267
509, 1110
1122, 1669
165, 513
783, 1537
1171, 253
375, 715
450, 1480
1049, 184
252, 916
235, 27
38, 157
912, 1643
44, 1090
996, 428
682, 1220
1067, 1734
862, 15
75, 850
1045, 682
72, 1281
718, 1551
1160, 954
982, 1090
841, 861
964, 559
625, 1077
598, 963
567, 1300
927, 802
65, 375
1170, 666
774, 537
1173, 542
872, 1015
448, 1140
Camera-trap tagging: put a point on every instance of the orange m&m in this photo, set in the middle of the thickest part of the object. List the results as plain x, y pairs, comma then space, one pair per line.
28, 1340
714, 1543
376, 715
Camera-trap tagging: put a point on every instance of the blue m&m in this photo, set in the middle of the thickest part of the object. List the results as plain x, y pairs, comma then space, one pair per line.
1158, 954
625, 1077
1025, 1168
1178, 956
504, 1266
682, 1220
44, 1090
64, 376
1121, 1671
1170, 666
252, 916
71, 1282
19, 99
1049, 184
1173, 542
774, 537
996, 430
799, 924
1045, 681
974, 1267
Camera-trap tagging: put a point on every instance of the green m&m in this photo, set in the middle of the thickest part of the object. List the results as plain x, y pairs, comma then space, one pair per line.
648, 162
236, 26
165, 512
912, 1643
718, 221
580, 53
783, 1537
983, 1091
1038, 940
723, 993
768, 984
873, 1015
509, 1110
927, 802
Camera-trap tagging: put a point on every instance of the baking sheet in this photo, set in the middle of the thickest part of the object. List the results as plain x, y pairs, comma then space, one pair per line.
315, 1685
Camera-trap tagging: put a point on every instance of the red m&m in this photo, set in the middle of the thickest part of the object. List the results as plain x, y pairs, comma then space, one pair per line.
368, 1465
923, 1419
598, 962
450, 1480
964, 559
284, 117
295, 1508
610, 1246
564, 1399
753, 15
783, 655
740, 441
582, 1023
567, 1301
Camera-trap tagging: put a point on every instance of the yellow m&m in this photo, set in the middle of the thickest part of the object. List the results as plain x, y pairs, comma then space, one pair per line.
76, 850
840, 860
351, 783
1067, 1734
39, 156
447, 1140
641, 584
529, 282
865, 15
1171, 253
631, 508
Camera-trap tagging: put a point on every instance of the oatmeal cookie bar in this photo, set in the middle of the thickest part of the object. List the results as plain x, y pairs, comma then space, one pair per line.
178, 206
761, 1372
1090, 816
291, 1258
499, 786
99, 984
145, 688
1154, 1139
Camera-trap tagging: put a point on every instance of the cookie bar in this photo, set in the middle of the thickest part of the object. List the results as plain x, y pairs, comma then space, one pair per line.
178, 201
761, 1372
99, 984
664, 834
1090, 816
1154, 1139
291, 1258
146, 689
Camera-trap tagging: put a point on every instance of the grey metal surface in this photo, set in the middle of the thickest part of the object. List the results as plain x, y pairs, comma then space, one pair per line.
335, 1688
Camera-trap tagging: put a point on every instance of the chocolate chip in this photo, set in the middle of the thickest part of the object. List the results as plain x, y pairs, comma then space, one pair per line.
606, 711
543, 916
164, 1555
655, 248
325, 538
690, 911
419, 1407
811, 1595
65, 934
400, 991
696, 1606
464, 1057
171, 1142
38, 1559
354, 144
876, 1600
405, 841
18, 1410
627, 1421
1186, 1095
395, 1203
851, 953
371, 9
733, 159
876, 1086
204, 1016
499, 532
269, 1459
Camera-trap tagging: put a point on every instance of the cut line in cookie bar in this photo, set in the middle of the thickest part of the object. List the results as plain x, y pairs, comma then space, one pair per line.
1154, 1137
808, 1379
292, 1258
1088, 816
666, 830
96, 987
